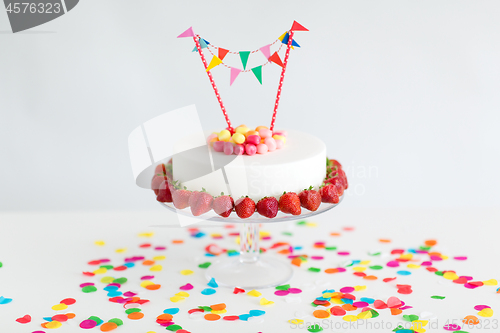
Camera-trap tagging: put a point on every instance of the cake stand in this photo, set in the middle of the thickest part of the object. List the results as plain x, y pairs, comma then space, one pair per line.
250, 270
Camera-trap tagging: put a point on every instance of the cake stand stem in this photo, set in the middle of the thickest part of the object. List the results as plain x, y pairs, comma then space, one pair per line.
249, 242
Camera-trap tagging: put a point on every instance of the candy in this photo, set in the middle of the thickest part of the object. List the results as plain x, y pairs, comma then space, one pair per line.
262, 148
219, 146
238, 138
253, 139
242, 129
270, 143
279, 137
265, 133
224, 135
211, 138
258, 128
247, 134
239, 150
228, 148
250, 149
279, 144
282, 133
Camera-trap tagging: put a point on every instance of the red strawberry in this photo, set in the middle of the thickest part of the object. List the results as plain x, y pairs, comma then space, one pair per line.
336, 164
310, 199
245, 207
160, 169
181, 198
200, 202
223, 205
290, 203
156, 182
268, 207
329, 194
337, 181
164, 194
343, 177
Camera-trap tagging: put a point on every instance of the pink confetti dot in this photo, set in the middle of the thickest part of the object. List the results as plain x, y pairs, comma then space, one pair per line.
187, 286
426, 263
360, 304
460, 258
147, 277
341, 269
451, 327
294, 290
392, 264
343, 253
317, 257
86, 284
281, 292
436, 258
347, 290
88, 324
480, 307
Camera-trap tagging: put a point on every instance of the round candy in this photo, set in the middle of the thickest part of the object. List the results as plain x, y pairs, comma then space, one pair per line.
219, 146
239, 150
242, 129
265, 133
212, 137
270, 143
250, 149
258, 128
253, 139
224, 135
247, 134
238, 138
279, 137
262, 148
228, 148
282, 133
279, 144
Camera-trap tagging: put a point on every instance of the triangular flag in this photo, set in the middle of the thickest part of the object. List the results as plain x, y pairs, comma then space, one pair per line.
244, 58
276, 59
234, 74
222, 53
206, 41
285, 40
214, 62
203, 44
188, 33
283, 36
266, 50
298, 27
257, 71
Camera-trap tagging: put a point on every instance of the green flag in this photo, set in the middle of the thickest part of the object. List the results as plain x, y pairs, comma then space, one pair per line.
244, 58
257, 71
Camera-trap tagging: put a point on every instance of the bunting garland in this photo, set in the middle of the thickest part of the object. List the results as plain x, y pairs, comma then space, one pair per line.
286, 39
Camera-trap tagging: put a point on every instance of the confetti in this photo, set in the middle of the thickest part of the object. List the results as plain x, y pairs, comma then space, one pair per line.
187, 272
187, 286
24, 320
264, 301
212, 283
254, 293
438, 297
88, 324
4, 300
486, 312
208, 291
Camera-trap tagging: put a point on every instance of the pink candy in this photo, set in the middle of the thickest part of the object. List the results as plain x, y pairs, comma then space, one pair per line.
265, 133
228, 148
239, 150
262, 148
219, 146
211, 137
282, 133
253, 139
250, 149
270, 143
279, 144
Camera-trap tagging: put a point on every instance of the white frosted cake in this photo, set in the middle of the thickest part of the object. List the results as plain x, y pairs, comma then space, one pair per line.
293, 168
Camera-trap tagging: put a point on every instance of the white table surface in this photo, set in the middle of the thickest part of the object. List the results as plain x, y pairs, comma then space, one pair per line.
44, 255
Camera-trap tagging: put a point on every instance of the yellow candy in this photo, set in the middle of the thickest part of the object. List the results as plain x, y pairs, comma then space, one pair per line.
224, 135
258, 128
146, 283
279, 137
254, 293
238, 138
59, 307
242, 129
187, 272
264, 301
53, 324
156, 268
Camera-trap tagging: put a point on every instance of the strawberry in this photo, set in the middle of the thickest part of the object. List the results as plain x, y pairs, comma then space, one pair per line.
329, 194
156, 182
164, 194
290, 203
335, 164
160, 169
200, 202
245, 207
181, 198
310, 199
337, 181
223, 205
268, 207
343, 177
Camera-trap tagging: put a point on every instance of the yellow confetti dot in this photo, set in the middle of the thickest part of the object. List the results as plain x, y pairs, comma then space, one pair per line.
156, 268
107, 279
407, 256
327, 295
146, 234
359, 269
418, 325
365, 262
187, 272
264, 301
364, 315
99, 243
159, 258
450, 276
491, 282
182, 294
295, 321
444, 257
263, 233
413, 266
176, 299
350, 318
254, 293
312, 224
488, 312
101, 270
237, 240
146, 283
53, 324
359, 288
336, 301
219, 311
121, 250
151, 332
59, 307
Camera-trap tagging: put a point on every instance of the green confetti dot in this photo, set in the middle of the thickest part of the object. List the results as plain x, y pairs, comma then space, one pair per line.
1, 264
439, 273
96, 319
205, 308
132, 310
302, 223
410, 318
425, 248
375, 314
314, 328
89, 289
108, 267
438, 297
330, 248
174, 328
376, 267
205, 265
287, 233
121, 280
117, 321
315, 270
283, 287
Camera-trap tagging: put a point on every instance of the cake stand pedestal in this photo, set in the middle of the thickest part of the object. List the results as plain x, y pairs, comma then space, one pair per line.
250, 270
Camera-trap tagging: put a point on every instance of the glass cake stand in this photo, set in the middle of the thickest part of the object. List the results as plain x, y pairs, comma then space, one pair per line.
250, 270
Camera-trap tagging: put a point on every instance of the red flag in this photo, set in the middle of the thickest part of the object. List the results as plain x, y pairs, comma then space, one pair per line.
298, 27
222, 53
276, 59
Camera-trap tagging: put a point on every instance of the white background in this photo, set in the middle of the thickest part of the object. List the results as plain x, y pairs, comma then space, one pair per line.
405, 89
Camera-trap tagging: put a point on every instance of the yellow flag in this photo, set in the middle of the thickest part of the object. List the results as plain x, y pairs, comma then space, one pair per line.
214, 62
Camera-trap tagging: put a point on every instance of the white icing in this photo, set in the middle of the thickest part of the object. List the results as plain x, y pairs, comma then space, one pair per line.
299, 164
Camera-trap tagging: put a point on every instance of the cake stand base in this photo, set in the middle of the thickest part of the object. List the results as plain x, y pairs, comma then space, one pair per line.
262, 273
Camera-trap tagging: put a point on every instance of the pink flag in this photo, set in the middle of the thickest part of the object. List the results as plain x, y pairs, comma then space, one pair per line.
188, 33
234, 74
266, 50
